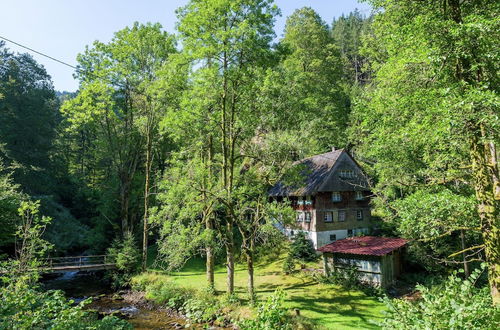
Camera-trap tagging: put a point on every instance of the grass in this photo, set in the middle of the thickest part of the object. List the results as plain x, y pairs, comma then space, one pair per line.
329, 306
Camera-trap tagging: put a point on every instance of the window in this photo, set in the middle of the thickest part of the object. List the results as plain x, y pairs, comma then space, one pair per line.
328, 216
341, 215
300, 201
349, 232
359, 196
333, 238
308, 216
300, 216
292, 232
359, 215
347, 174
336, 197
308, 200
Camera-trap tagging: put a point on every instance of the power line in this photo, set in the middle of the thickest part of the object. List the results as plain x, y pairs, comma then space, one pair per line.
39, 53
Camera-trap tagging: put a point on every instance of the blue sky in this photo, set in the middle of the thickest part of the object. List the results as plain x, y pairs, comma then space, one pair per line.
62, 28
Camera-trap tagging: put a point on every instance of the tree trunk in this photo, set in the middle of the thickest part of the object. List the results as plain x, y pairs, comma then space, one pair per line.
484, 171
146, 200
466, 264
124, 206
230, 258
210, 258
488, 212
250, 270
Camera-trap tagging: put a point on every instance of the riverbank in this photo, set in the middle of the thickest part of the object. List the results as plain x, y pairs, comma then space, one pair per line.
131, 306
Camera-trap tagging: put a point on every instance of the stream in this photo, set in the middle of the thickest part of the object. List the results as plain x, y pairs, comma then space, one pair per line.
128, 305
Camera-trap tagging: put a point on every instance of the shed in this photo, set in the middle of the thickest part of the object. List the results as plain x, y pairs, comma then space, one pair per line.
378, 259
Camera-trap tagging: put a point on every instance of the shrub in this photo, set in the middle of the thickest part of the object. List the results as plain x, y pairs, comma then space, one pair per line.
169, 294
127, 257
203, 307
271, 315
454, 304
288, 265
302, 248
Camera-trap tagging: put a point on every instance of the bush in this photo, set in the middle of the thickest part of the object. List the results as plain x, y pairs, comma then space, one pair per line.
127, 257
271, 315
454, 304
198, 306
349, 279
302, 248
169, 294
288, 265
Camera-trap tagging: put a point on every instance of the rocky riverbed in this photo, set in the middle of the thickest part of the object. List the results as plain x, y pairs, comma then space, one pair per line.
128, 305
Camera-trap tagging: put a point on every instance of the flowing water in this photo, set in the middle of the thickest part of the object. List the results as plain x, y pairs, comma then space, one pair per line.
82, 285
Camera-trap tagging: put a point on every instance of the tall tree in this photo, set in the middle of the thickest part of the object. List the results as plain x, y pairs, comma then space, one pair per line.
28, 119
347, 33
305, 89
431, 114
229, 50
119, 103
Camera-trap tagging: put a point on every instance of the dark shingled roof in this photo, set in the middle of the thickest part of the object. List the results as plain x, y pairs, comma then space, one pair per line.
365, 245
317, 169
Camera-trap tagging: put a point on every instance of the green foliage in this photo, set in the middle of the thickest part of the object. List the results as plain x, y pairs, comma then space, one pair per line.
347, 32
126, 255
197, 305
9, 204
454, 304
288, 265
302, 248
348, 277
25, 307
271, 315
435, 66
28, 118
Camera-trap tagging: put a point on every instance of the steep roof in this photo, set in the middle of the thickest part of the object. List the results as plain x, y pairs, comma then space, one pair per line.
317, 170
365, 245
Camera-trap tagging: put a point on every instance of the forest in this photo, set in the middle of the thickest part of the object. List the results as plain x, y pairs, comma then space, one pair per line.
164, 157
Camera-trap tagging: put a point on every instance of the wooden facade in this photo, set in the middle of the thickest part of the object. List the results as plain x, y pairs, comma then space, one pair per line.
333, 202
379, 262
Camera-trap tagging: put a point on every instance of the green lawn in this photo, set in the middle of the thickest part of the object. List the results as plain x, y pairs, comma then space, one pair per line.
329, 306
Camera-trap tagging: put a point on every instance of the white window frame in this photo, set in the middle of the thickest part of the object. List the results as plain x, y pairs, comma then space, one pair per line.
308, 200
300, 216
305, 216
325, 216
359, 215
336, 196
300, 201
343, 212
359, 195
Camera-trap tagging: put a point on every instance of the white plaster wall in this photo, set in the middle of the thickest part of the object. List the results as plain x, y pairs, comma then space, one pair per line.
322, 238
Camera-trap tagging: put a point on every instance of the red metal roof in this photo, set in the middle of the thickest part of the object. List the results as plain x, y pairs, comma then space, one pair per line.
365, 245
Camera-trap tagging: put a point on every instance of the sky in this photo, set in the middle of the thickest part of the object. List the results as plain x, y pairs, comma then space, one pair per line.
62, 28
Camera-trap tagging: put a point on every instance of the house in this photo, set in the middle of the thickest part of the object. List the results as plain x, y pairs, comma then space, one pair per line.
332, 200
377, 259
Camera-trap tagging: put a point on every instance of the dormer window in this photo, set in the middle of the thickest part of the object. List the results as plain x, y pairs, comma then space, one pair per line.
308, 200
300, 201
336, 197
359, 196
347, 174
